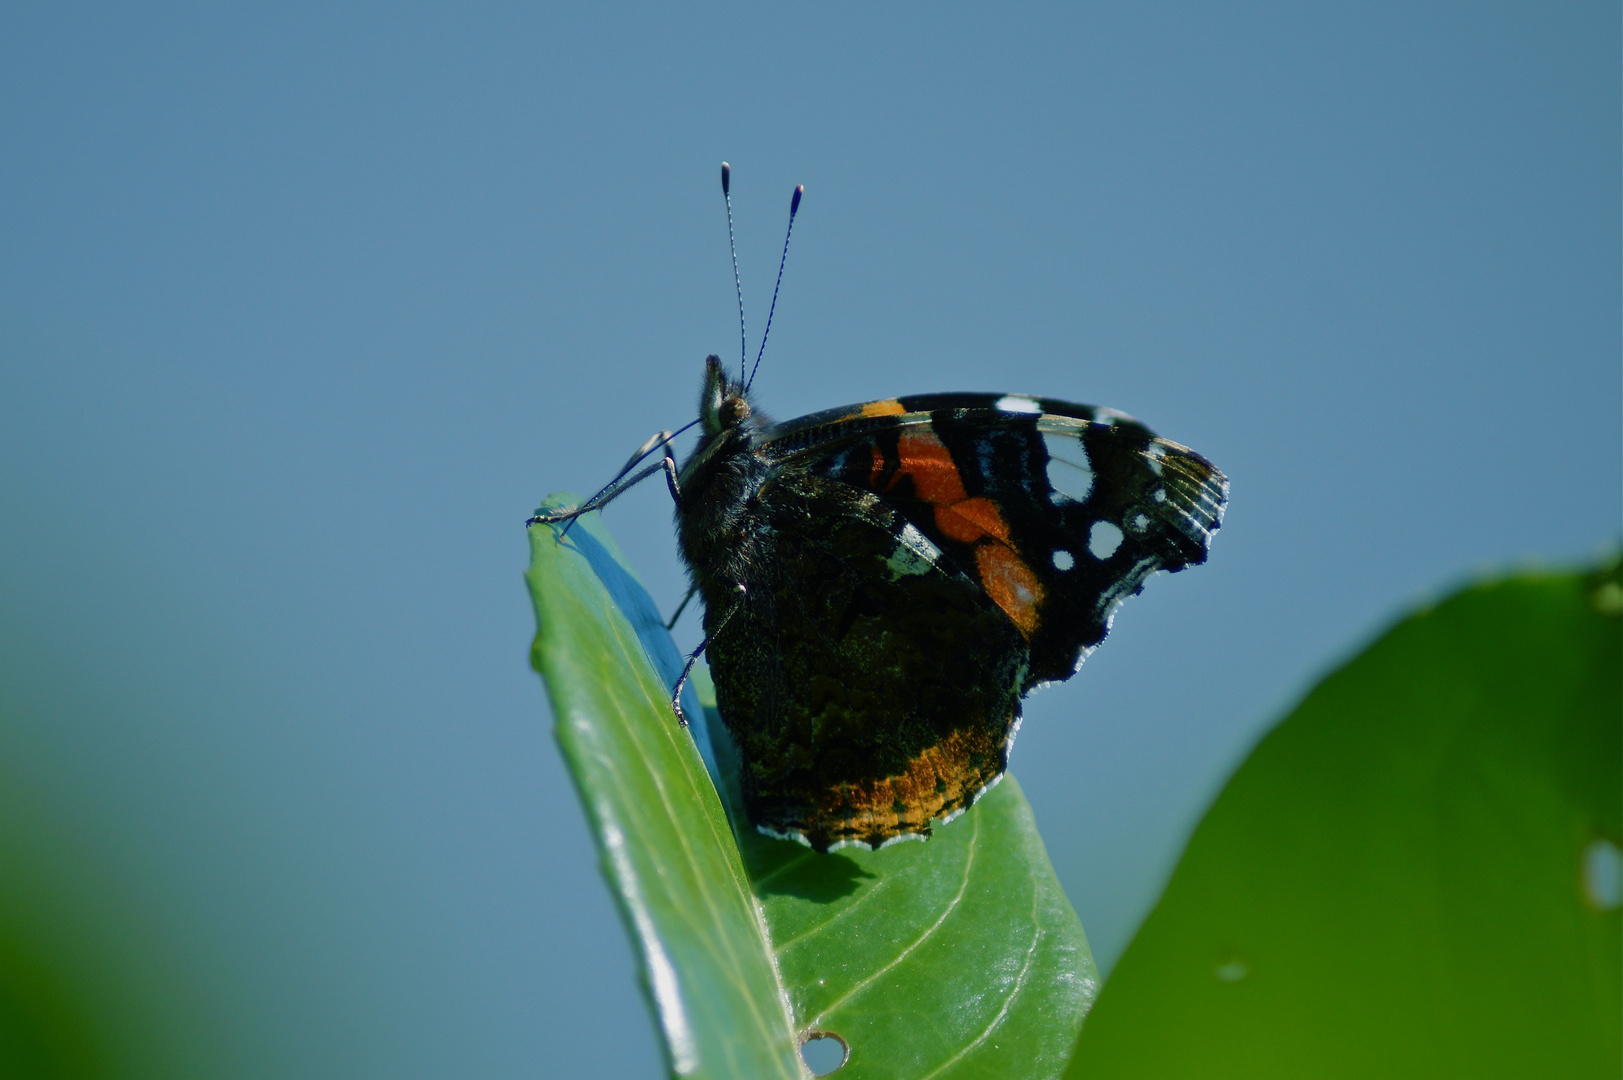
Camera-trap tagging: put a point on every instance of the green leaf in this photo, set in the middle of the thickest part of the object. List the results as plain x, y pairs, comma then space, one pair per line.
1415, 874
958, 957
664, 842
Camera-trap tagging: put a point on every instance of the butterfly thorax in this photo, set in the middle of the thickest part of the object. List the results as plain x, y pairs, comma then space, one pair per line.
717, 521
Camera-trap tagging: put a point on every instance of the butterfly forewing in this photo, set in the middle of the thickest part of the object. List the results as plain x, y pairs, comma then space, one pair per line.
1057, 510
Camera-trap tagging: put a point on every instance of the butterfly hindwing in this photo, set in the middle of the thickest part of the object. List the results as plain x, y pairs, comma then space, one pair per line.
868, 717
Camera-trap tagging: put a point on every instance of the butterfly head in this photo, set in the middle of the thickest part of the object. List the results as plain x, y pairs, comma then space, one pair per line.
722, 403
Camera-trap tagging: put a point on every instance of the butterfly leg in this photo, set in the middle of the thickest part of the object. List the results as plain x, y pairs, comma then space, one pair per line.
668, 463
658, 438
677, 614
621, 482
676, 695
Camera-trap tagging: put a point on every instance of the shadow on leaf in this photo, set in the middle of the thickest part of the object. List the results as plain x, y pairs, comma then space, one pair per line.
785, 868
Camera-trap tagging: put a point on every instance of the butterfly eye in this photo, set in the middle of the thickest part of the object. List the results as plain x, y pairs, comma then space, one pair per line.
734, 411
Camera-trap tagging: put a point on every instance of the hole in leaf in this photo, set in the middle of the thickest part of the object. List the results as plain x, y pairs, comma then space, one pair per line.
1603, 875
823, 1052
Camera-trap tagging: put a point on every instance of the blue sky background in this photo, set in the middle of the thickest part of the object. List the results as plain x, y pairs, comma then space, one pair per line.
303, 308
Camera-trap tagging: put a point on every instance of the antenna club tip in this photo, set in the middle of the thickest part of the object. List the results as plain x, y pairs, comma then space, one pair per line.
726, 178
794, 201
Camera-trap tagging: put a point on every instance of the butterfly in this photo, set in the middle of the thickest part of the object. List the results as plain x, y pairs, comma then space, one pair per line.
883, 583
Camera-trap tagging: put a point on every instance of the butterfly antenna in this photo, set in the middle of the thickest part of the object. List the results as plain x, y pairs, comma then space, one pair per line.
794, 207
738, 285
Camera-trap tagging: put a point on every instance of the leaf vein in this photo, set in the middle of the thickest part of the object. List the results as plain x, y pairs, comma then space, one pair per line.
1014, 991
785, 868
831, 920
963, 886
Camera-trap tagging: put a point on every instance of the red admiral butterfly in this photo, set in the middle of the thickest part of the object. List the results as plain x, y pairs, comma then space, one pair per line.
883, 583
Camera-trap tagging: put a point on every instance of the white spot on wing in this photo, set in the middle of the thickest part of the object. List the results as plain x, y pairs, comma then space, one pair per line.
1017, 403
1154, 454
1063, 560
914, 554
1103, 540
1070, 473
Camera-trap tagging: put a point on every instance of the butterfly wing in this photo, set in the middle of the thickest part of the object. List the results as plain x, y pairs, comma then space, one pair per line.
1059, 511
845, 679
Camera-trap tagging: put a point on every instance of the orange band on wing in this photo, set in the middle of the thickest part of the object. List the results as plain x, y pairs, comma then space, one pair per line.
968, 520
930, 466
1011, 584
888, 407
923, 459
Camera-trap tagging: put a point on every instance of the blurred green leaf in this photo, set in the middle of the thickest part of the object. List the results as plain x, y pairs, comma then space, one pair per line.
1413, 875
88, 987
958, 957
